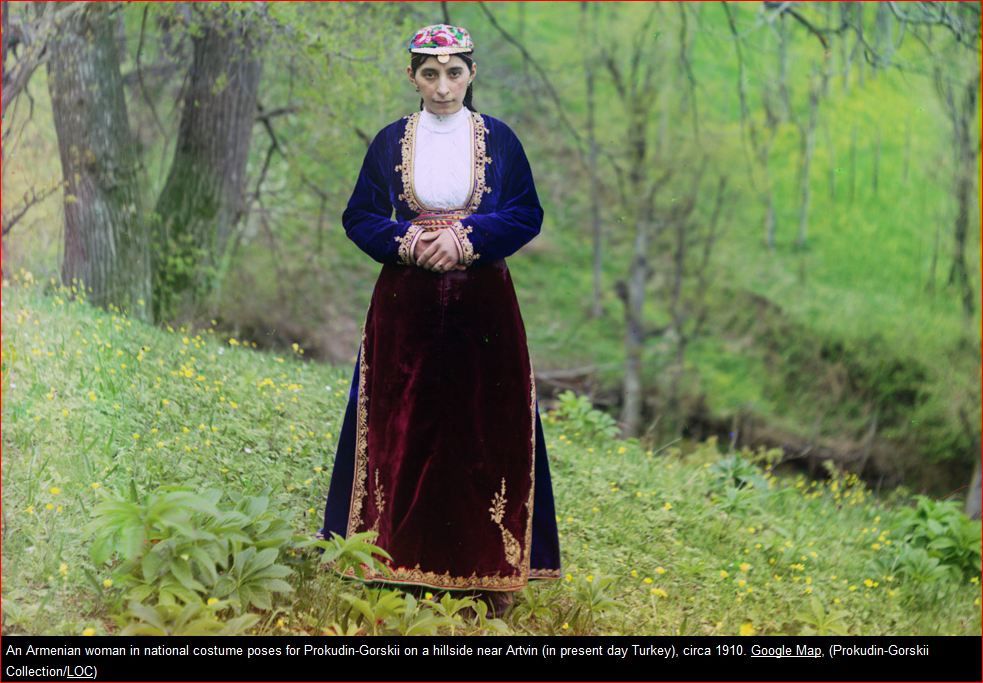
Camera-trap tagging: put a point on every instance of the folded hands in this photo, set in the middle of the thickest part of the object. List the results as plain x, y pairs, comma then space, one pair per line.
438, 251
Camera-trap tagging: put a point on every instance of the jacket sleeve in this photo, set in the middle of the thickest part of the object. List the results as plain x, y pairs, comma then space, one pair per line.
517, 219
367, 217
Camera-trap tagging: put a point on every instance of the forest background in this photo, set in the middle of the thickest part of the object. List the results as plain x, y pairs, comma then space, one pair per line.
761, 218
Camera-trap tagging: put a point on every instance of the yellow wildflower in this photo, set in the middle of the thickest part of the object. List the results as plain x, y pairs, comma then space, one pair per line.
54, 490
88, 632
747, 629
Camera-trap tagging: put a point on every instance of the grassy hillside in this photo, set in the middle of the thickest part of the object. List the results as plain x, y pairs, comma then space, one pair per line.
97, 407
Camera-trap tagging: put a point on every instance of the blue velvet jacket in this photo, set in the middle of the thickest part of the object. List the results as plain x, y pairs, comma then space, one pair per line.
501, 215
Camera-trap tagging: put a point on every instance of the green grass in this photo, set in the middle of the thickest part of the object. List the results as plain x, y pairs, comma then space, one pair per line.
93, 400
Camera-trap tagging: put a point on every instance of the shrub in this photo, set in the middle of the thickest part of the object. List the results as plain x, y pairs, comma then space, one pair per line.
182, 551
944, 532
580, 420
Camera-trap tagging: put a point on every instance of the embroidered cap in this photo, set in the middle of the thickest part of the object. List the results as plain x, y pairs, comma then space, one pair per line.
442, 40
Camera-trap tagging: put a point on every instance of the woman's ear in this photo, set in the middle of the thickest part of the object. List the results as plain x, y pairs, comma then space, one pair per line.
474, 70
409, 75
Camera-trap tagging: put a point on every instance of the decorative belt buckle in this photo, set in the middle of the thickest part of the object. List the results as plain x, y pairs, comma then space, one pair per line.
437, 220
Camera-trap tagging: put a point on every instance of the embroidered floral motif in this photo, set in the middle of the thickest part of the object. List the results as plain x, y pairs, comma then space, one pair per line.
513, 553
361, 446
461, 232
380, 502
544, 573
405, 250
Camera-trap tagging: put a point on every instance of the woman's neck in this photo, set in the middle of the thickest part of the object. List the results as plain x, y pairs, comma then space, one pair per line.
443, 123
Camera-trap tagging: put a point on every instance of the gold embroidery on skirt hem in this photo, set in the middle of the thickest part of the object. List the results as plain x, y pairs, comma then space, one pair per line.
416, 576
513, 552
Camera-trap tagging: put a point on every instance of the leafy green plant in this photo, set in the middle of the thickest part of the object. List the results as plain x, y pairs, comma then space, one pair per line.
580, 420
820, 622
918, 566
176, 547
192, 619
355, 552
734, 482
733, 471
593, 597
375, 606
452, 610
944, 532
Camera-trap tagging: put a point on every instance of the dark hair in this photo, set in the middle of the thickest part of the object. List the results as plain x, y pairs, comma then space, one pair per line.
417, 60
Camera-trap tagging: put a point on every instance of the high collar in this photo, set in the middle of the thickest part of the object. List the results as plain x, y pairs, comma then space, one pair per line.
446, 123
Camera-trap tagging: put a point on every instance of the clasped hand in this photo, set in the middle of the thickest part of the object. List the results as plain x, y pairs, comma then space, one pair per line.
437, 250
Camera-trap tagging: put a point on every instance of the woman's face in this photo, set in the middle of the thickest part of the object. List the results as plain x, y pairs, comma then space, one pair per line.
442, 86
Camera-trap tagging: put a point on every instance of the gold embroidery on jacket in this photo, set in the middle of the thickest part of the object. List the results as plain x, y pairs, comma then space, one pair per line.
405, 243
479, 159
513, 553
467, 249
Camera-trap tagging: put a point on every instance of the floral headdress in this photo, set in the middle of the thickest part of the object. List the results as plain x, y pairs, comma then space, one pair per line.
442, 40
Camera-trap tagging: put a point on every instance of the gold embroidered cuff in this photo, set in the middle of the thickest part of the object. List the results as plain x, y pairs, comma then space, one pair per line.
461, 232
405, 251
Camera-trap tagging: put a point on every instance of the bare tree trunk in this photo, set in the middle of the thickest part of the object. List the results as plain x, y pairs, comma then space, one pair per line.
595, 209
783, 95
831, 152
973, 498
846, 57
858, 9
631, 409
202, 199
106, 243
808, 137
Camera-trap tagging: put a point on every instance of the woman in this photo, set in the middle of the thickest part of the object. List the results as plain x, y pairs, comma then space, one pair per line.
442, 451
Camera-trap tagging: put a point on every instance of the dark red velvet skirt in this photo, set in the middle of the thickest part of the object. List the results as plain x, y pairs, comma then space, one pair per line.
445, 429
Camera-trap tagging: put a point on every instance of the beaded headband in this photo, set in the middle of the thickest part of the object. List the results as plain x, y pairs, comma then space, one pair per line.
442, 40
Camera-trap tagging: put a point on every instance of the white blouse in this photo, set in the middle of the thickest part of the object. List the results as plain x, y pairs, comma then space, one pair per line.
442, 159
